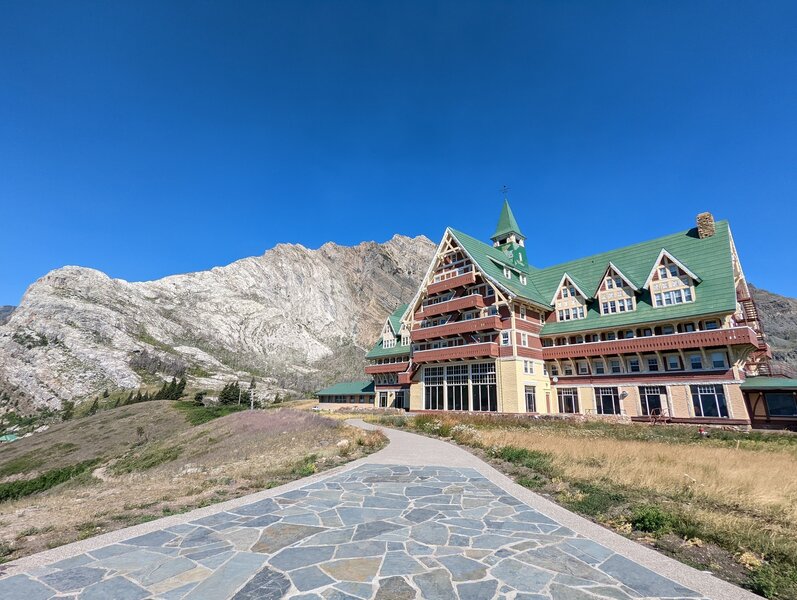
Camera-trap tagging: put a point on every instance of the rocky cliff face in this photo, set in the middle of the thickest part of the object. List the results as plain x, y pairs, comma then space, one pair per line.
779, 319
294, 317
5, 313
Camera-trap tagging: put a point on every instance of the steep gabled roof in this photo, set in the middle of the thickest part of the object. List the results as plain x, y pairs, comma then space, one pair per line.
672, 258
395, 318
576, 284
612, 267
491, 262
506, 223
710, 257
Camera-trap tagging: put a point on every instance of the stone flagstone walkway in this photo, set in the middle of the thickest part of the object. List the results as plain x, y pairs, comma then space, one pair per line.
384, 531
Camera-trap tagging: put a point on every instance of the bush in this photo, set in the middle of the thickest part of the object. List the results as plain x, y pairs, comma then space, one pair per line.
306, 466
49, 479
651, 519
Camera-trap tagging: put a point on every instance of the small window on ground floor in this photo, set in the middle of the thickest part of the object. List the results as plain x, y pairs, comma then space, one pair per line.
709, 401
781, 404
383, 399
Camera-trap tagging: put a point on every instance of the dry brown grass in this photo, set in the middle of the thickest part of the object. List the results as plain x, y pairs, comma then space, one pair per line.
222, 459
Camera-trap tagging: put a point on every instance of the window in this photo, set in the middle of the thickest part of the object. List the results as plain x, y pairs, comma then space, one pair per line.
531, 398
607, 401
400, 398
671, 297
709, 401
712, 324
568, 400
554, 370
633, 365
667, 330
383, 399
599, 368
696, 362
653, 364
583, 368
522, 312
688, 327
673, 363
522, 279
505, 339
528, 367
564, 292
614, 364
433, 388
457, 387
507, 273
485, 395
524, 340
781, 404
389, 342
405, 339
568, 369
718, 360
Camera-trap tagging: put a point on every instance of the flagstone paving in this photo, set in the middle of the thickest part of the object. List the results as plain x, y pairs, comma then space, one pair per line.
390, 532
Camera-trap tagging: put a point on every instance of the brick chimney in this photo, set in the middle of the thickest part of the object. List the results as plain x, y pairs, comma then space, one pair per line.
705, 225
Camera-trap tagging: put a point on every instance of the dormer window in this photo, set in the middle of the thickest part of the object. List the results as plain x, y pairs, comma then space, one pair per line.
671, 282
616, 293
569, 300
522, 279
507, 273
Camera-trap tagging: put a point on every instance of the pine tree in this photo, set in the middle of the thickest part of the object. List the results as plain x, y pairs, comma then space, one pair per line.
129, 398
180, 389
161, 393
67, 410
94, 407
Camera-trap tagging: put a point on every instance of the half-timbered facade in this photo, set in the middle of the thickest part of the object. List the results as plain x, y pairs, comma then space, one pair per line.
662, 330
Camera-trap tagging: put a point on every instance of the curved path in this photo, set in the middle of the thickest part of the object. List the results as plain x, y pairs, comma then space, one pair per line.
419, 519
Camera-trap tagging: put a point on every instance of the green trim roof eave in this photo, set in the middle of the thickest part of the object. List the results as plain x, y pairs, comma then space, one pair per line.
506, 222
769, 383
379, 352
349, 388
395, 317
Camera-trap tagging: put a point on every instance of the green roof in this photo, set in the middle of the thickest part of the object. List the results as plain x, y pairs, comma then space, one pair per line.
379, 352
769, 383
506, 222
349, 388
708, 258
395, 317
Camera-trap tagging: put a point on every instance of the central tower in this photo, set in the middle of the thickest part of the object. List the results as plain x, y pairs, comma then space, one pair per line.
508, 238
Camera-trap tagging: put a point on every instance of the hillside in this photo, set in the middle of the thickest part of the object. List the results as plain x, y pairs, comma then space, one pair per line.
295, 318
5, 313
779, 318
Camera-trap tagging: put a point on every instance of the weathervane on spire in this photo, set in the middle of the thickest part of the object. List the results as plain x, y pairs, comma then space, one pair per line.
504, 191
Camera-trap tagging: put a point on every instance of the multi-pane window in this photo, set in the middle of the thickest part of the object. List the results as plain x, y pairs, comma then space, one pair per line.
583, 368
718, 360
505, 339
531, 398
433, 378
673, 362
599, 368
383, 399
568, 400
653, 364
696, 362
709, 401
614, 365
633, 365
781, 404
524, 340
607, 401
671, 297
528, 367
653, 399
457, 387
485, 395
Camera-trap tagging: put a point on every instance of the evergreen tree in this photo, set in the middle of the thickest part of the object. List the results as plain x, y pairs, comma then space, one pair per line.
129, 398
171, 390
161, 394
180, 389
138, 397
94, 407
67, 410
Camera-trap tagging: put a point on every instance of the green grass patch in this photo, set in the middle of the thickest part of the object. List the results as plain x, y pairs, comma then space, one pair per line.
49, 479
306, 466
540, 462
147, 459
197, 415
651, 519
593, 500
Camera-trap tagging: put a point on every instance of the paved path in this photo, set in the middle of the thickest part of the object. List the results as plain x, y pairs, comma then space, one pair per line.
419, 519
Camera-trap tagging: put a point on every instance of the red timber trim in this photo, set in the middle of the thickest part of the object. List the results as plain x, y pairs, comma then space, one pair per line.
527, 326
450, 284
663, 377
696, 421
734, 336
456, 328
382, 387
471, 301
486, 349
505, 351
388, 368
529, 352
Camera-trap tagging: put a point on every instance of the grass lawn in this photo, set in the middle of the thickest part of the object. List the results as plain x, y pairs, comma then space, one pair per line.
727, 504
126, 465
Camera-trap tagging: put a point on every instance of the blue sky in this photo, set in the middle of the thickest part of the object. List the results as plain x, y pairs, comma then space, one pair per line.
151, 138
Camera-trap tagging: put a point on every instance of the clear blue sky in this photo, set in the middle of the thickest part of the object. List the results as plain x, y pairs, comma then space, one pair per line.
152, 138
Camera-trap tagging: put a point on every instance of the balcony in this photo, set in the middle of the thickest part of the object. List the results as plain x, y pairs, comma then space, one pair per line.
451, 280
461, 303
456, 328
405, 378
387, 368
736, 336
483, 350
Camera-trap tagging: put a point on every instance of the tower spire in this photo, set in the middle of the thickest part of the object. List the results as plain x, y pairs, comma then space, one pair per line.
507, 225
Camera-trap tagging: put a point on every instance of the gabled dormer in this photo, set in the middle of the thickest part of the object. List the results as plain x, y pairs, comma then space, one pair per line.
616, 292
569, 300
670, 281
508, 238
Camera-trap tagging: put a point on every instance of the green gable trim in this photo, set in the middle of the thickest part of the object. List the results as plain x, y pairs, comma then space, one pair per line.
395, 317
379, 352
710, 258
769, 383
506, 223
349, 388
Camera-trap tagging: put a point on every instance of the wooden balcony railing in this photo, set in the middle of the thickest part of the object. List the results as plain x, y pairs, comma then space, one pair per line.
735, 336
482, 350
468, 277
461, 303
456, 328
387, 368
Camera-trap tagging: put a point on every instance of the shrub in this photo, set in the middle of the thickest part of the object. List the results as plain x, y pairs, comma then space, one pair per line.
306, 466
651, 519
49, 479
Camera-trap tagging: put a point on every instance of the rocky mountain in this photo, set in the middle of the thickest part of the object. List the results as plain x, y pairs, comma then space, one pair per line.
779, 319
5, 313
295, 318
